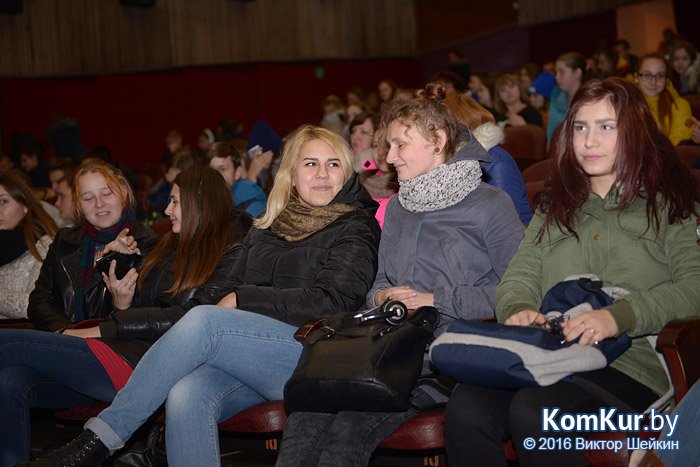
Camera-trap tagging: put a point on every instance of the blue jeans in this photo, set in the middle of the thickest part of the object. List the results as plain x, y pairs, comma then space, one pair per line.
212, 364
43, 369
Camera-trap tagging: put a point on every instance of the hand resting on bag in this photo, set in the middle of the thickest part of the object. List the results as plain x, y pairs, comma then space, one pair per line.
526, 318
410, 297
592, 326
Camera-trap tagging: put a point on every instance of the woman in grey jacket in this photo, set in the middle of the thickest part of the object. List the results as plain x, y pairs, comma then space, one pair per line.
447, 241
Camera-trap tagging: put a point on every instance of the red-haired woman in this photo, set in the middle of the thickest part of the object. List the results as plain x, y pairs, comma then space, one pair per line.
188, 267
670, 111
618, 204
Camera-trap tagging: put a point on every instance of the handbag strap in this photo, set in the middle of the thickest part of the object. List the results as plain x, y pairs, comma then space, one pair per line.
307, 328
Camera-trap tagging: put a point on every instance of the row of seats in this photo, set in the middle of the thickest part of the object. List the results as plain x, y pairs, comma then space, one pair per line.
420, 441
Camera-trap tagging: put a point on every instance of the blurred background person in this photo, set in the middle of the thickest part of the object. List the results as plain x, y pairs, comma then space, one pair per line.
26, 231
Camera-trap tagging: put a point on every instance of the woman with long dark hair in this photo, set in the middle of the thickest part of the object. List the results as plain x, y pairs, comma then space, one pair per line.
618, 204
26, 231
188, 267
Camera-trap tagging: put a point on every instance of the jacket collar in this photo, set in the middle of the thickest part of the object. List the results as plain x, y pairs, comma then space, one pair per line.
73, 235
354, 194
489, 135
469, 148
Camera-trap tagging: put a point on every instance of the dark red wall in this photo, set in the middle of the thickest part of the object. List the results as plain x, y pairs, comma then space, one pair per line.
548, 41
130, 113
510, 48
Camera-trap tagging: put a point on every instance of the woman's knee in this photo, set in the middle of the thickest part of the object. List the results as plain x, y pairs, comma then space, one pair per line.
206, 391
16, 383
186, 397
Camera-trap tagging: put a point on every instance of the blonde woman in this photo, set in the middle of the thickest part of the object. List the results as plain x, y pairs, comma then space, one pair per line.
313, 253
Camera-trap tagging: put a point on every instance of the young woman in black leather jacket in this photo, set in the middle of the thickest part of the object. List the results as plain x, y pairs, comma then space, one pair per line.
188, 267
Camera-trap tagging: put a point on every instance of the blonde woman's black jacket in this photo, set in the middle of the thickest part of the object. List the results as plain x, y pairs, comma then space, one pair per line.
131, 332
327, 272
52, 301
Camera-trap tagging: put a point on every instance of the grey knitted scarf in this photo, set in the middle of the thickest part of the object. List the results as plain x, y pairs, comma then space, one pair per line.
442, 187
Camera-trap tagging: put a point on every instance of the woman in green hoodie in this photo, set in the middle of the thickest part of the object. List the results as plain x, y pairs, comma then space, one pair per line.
619, 204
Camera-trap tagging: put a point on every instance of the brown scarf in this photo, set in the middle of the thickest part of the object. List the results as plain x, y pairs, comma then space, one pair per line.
296, 221
379, 186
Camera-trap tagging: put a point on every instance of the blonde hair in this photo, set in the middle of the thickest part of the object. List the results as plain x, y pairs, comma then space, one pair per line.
282, 190
114, 177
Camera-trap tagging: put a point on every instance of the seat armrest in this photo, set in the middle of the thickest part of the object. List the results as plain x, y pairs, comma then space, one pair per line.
16, 323
679, 342
88, 323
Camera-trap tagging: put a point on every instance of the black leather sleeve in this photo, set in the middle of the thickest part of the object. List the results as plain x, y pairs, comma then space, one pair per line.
45, 309
153, 322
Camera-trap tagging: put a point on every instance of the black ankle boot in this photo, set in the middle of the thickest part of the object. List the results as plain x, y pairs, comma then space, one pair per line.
84, 451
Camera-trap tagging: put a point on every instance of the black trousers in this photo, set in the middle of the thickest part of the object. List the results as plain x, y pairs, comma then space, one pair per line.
478, 420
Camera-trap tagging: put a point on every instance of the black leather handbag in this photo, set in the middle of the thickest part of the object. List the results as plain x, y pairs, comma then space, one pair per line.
366, 362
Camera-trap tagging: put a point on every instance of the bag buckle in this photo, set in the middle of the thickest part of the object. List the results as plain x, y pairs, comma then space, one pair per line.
555, 326
329, 331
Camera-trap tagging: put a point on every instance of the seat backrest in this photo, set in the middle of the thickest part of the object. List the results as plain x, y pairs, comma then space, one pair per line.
526, 142
552, 145
688, 154
538, 171
696, 172
532, 189
694, 101
679, 341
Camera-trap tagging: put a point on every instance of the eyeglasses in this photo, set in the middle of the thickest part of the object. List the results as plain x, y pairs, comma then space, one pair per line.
646, 76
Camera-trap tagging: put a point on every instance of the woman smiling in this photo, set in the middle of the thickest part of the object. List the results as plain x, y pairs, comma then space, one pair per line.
446, 242
670, 111
312, 253
42, 368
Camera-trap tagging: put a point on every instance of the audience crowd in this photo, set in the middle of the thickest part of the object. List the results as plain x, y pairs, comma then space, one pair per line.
288, 228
